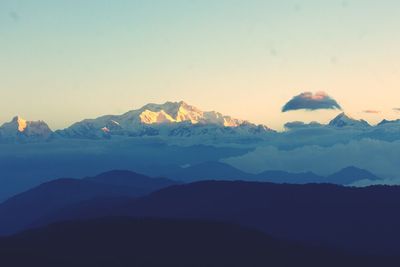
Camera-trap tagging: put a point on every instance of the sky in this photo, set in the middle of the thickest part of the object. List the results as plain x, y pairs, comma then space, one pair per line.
63, 61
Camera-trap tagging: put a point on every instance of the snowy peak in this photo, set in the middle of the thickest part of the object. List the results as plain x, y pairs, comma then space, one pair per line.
151, 117
176, 112
17, 124
19, 129
343, 120
227, 121
389, 122
340, 121
170, 112
20, 123
168, 119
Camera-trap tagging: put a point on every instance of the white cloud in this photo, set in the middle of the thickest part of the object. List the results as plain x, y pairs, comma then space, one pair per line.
379, 157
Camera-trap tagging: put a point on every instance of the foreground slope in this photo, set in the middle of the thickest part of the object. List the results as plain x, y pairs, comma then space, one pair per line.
363, 220
153, 242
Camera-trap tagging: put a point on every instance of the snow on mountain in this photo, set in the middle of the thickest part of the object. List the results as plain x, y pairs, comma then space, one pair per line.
168, 119
170, 112
176, 112
385, 130
179, 119
343, 128
20, 130
343, 120
389, 122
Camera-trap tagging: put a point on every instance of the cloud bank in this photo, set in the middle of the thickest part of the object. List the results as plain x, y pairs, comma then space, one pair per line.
310, 101
379, 157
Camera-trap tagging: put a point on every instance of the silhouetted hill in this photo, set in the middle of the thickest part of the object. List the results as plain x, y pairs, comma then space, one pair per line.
350, 175
211, 170
293, 178
363, 220
121, 241
222, 171
21, 210
131, 179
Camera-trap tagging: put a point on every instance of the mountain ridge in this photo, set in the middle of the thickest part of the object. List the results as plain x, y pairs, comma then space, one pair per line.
361, 220
223, 171
21, 130
20, 210
172, 119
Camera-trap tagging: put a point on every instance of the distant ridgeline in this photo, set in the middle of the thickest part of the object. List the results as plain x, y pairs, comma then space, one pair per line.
172, 119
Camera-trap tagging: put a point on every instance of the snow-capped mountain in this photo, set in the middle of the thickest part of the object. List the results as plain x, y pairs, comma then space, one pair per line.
21, 130
175, 112
168, 119
181, 120
385, 130
343, 120
389, 122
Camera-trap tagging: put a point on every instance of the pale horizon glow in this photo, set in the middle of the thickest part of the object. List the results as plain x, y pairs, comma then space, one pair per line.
65, 61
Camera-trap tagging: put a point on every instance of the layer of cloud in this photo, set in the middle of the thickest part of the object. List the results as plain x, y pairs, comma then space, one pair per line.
396, 109
310, 101
372, 111
379, 157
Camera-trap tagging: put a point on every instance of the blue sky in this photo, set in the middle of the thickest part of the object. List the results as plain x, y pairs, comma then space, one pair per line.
62, 61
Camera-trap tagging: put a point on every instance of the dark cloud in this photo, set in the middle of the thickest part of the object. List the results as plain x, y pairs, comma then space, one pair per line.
371, 111
310, 101
397, 109
301, 125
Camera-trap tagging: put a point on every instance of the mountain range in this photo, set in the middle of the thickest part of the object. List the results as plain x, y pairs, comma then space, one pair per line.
357, 220
176, 134
171, 119
20, 211
20, 130
168, 119
96, 214
360, 220
213, 170
24, 209
342, 120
